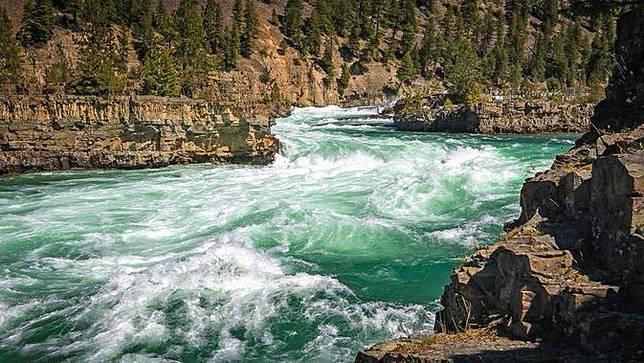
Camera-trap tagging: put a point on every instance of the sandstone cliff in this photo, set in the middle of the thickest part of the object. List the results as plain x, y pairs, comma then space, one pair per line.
571, 268
520, 117
40, 133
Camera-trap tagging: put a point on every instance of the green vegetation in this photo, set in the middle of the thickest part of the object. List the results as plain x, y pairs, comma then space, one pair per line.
530, 48
9, 52
37, 23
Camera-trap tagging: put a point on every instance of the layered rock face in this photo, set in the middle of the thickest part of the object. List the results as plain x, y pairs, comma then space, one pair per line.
41, 133
521, 117
572, 265
571, 268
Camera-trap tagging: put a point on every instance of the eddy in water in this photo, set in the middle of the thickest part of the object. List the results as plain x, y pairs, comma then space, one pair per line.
347, 239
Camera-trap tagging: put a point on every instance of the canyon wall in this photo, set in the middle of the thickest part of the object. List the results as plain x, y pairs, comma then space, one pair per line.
571, 267
570, 271
42, 133
520, 117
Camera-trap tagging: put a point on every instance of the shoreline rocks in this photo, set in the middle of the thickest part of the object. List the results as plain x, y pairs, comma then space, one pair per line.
58, 132
504, 117
571, 268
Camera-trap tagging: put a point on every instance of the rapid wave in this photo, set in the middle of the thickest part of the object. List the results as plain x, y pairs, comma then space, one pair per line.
347, 239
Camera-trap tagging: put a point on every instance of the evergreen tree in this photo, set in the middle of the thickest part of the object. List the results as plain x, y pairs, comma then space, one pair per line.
559, 63
37, 23
408, 25
238, 15
345, 76
341, 16
321, 11
192, 49
99, 69
9, 53
538, 61
164, 24
407, 70
214, 25
327, 63
143, 28
429, 50
312, 34
599, 64
251, 24
469, 10
99, 12
230, 50
572, 51
190, 26
160, 74
462, 70
293, 22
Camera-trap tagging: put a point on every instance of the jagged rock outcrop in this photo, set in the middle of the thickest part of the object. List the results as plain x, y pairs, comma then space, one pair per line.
570, 265
40, 133
517, 117
571, 268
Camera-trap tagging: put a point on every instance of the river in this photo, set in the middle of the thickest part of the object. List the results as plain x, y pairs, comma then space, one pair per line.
347, 239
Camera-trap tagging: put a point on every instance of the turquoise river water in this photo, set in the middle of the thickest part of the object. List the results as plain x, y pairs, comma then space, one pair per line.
347, 239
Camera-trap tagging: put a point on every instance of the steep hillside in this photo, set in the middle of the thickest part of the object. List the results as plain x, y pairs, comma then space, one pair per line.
376, 48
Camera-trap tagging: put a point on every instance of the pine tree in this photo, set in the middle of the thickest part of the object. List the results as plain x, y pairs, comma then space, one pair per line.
408, 26
164, 24
99, 69
538, 61
462, 69
143, 28
572, 51
251, 24
293, 22
37, 23
9, 53
190, 26
324, 18
312, 34
470, 9
160, 74
230, 48
99, 12
559, 63
192, 50
345, 76
428, 51
238, 14
327, 63
341, 16
214, 25
406, 71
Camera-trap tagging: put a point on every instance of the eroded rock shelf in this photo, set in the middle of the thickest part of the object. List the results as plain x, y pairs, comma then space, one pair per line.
43, 133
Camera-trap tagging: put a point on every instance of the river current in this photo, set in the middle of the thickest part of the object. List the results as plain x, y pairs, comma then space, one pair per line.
346, 240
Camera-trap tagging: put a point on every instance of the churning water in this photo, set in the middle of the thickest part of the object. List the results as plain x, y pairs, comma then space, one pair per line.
347, 239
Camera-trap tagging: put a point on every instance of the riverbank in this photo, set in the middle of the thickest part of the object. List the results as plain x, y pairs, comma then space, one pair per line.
570, 269
60, 132
497, 117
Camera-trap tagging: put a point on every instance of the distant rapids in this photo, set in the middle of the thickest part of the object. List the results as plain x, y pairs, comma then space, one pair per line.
347, 239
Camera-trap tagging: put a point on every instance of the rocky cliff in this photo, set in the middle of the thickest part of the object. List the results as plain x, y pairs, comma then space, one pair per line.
521, 117
40, 133
571, 268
